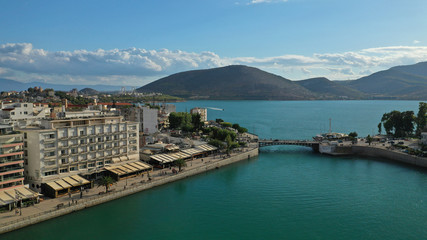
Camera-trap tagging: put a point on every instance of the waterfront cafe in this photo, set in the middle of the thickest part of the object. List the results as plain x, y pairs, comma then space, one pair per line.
14, 197
129, 170
200, 151
65, 185
166, 159
209, 149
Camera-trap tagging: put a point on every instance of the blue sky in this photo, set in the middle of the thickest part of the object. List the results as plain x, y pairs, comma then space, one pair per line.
135, 42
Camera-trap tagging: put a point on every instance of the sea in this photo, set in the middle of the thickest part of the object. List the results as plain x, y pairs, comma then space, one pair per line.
287, 192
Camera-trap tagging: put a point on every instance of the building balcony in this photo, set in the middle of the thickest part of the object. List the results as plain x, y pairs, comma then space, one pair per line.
12, 144
12, 179
11, 171
4, 162
11, 153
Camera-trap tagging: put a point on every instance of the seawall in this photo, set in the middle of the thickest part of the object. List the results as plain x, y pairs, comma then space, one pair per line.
370, 151
26, 221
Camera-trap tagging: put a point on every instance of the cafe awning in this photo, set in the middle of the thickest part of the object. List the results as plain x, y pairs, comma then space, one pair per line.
67, 182
171, 157
19, 193
128, 168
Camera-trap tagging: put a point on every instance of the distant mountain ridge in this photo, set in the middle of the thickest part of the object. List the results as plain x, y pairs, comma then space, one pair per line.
12, 85
243, 82
231, 82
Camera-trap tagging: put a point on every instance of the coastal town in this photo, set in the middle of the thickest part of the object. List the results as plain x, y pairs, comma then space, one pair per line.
58, 156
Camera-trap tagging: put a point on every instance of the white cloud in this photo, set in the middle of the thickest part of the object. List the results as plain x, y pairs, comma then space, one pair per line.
266, 1
416, 42
137, 66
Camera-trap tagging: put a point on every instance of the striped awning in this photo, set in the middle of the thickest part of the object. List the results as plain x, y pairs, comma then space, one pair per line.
193, 151
67, 182
129, 168
207, 147
171, 157
12, 195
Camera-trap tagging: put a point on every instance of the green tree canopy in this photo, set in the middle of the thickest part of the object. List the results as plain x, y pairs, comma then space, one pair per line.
421, 118
180, 163
106, 182
398, 124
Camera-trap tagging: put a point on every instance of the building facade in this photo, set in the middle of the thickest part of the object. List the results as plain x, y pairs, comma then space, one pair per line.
65, 147
11, 158
203, 113
146, 117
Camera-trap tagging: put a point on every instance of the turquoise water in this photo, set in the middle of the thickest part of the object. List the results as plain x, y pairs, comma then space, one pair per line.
288, 192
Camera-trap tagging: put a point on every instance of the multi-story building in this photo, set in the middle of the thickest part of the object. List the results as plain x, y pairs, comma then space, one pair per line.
66, 147
203, 113
22, 114
146, 117
11, 158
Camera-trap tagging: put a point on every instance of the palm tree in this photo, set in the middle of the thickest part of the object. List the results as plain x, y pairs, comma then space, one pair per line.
106, 182
180, 163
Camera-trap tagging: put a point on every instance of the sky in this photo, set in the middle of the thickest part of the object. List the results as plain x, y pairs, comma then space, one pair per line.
131, 43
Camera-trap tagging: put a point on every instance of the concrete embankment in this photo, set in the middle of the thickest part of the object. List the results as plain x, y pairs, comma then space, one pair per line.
43, 216
370, 151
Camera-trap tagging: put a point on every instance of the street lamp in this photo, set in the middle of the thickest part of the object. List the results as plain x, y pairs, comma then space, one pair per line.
18, 199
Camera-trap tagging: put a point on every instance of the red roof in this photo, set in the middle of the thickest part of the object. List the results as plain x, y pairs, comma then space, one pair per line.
117, 104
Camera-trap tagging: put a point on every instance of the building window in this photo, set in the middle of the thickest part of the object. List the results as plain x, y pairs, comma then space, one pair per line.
50, 154
82, 133
82, 141
82, 166
64, 170
73, 169
91, 165
64, 161
25, 113
100, 163
25, 105
50, 173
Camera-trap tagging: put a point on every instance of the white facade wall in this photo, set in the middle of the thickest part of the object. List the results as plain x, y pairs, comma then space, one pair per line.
150, 120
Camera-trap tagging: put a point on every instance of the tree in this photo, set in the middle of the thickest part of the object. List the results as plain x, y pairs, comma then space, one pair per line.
421, 119
379, 128
369, 139
106, 182
196, 120
229, 144
353, 134
398, 124
180, 163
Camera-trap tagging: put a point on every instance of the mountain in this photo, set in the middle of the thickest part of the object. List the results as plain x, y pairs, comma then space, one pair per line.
12, 85
88, 91
231, 82
327, 89
401, 82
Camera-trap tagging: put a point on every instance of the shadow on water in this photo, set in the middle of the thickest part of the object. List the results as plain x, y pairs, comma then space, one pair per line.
180, 187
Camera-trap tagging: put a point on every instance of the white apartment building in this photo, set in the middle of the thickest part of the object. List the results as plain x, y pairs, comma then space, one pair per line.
203, 113
22, 114
146, 117
66, 147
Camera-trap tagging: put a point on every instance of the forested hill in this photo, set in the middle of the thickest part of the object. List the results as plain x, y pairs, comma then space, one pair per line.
231, 82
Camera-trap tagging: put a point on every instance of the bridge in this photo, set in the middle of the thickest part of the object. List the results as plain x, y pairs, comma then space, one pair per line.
265, 142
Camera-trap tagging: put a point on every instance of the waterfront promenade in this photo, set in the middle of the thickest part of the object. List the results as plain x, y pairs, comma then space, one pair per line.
48, 208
